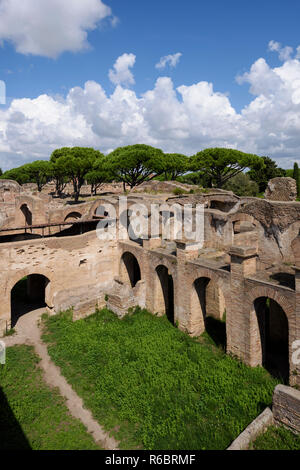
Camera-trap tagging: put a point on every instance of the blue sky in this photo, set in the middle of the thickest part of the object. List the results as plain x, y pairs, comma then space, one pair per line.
217, 40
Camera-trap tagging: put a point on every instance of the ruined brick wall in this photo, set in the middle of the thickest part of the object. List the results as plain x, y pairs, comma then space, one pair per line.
286, 407
281, 189
82, 269
79, 269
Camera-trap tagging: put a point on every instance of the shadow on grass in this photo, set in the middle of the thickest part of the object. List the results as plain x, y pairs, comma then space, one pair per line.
11, 433
216, 329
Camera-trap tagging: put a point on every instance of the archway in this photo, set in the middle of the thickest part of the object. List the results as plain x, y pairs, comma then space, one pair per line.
27, 295
27, 215
164, 293
208, 311
274, 337
73, 217
130, 269
127, 220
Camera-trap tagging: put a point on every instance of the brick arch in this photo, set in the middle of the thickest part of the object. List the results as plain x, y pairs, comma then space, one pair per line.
98, 203
28, 200
265, 291
75, 215
130, 269
24, 203
21, 217
217, 279
167, 264
71, 210
196, 325
138, 254
17, 276
253, 331
164, 297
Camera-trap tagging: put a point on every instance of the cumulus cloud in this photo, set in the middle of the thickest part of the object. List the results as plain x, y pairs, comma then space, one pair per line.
283, 52
185, 119
50, 27
120, 74
172, 60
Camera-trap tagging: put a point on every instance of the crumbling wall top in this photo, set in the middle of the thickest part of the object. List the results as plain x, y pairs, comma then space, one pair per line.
281, 189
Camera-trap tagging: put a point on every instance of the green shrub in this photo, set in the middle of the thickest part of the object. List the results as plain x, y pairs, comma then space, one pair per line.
242, 185
179, 191
296, 176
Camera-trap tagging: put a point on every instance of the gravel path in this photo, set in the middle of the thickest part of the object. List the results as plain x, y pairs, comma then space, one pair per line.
28, 332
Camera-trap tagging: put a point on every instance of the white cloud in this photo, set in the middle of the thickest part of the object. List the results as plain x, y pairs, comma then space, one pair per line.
284, 52
172, 60
114, 21
50, 27
274, 46
184, 119
121, 73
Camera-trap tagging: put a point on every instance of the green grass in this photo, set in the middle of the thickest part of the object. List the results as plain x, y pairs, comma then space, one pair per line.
10, 332
32, 415
277, 438
153, 385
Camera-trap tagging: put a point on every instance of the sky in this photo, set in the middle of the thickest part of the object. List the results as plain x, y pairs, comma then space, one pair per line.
181, 76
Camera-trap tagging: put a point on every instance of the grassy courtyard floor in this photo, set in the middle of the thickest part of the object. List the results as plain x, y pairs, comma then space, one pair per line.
153, 386
277, 438
32, 415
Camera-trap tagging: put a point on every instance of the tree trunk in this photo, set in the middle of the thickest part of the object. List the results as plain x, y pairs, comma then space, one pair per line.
219, 181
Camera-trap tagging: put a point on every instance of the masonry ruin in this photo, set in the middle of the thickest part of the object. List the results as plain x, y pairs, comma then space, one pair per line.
246, 275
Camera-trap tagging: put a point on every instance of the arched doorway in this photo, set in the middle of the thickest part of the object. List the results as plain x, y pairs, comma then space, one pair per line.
27, 295
164, 293
130, 269
274, 337
208, 311
27, 215
73, 217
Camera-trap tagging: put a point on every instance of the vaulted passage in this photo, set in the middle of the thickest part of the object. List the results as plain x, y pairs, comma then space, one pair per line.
208, 311
274, 337
130, 269
164, 293
27, 215
27, 295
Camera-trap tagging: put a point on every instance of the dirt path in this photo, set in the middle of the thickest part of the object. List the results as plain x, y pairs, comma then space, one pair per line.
28, 332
